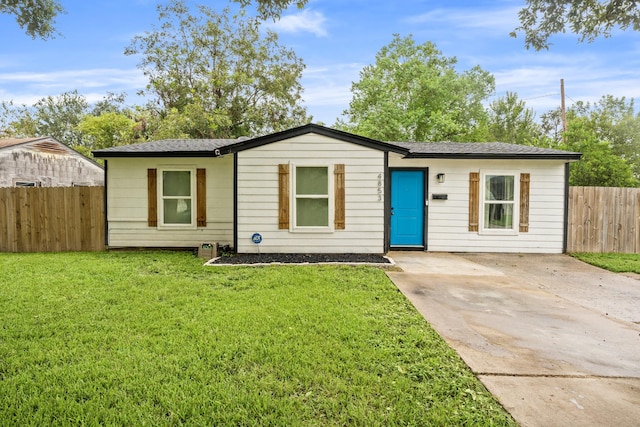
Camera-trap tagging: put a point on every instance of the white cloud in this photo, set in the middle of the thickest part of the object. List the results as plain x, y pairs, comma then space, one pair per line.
500, 21
29, 87
77, 79
305, 21
585, 79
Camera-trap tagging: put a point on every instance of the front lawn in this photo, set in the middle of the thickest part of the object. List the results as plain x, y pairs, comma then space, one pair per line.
155, 338
619, 263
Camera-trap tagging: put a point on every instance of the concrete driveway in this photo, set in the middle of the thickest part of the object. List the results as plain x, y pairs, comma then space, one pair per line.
557, 341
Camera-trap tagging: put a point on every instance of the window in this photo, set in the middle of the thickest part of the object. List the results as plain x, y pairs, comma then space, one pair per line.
176, 197
312, 196
311, 189
25, 184
175, 191
499, 202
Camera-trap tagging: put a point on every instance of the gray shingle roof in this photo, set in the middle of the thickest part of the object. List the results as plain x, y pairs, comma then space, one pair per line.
171, 146
481, 150
448, 150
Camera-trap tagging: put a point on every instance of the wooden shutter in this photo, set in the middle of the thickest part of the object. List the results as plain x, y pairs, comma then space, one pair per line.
152, 198
283, 196
339, 199
525, 180
474, 200
201, 196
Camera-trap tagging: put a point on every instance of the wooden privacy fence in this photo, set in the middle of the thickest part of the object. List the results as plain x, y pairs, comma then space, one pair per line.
604, 219
52, 219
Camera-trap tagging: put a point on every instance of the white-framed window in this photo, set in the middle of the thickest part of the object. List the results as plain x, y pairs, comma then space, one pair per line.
177, 197
499, 202
311, 198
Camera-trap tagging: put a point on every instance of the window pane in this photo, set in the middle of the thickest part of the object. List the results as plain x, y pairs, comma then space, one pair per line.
499, 187
177, 211
498, 215
176, 183
312, 180
312, 212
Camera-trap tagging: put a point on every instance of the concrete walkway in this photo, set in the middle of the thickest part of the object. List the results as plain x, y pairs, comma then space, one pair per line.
555, 340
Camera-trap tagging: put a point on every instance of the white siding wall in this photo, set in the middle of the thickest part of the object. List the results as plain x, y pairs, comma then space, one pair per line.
448, 220
127, 203
258, 196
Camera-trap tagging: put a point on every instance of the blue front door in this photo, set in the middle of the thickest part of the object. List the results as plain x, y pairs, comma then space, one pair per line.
407, 208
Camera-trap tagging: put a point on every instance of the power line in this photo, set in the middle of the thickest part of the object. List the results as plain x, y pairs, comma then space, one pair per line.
541, 96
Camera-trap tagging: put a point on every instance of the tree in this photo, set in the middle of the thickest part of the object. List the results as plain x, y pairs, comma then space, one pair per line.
599, 166
226, 68
35, 17
51, 116
271, 8
111, 103
613, 121
588, 19
109, 129
551, 128
413, 92
511, 121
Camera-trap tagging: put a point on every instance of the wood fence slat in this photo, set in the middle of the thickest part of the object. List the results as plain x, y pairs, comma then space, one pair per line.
99, 195
637, 229
58, 233
4, 222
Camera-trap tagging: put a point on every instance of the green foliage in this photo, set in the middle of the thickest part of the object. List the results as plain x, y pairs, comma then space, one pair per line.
413, 93
619, 263
599, 166
511, 121
155, 338
35, 17
56, 116
231, 76
589, 19
271, 9
111, 103
68, 118
109, 129
613, 121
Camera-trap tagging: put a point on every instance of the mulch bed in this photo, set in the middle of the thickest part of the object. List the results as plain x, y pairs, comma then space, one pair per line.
300, 259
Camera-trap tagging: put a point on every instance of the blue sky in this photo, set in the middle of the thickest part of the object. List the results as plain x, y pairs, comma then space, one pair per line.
335, 39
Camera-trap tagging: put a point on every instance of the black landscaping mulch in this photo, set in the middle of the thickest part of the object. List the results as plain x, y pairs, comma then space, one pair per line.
300, 258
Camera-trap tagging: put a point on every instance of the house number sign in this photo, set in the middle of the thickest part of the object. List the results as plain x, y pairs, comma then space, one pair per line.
379, 187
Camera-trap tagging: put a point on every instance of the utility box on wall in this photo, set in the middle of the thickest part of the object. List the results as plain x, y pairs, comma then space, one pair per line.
208, 250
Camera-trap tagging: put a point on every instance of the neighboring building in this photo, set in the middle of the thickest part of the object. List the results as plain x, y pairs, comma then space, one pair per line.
45, 162
314, 189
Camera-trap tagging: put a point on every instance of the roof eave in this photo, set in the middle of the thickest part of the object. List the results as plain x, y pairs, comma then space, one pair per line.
495, 156
180, 154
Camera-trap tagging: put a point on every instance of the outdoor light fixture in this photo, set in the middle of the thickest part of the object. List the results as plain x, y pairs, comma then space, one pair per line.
440, 178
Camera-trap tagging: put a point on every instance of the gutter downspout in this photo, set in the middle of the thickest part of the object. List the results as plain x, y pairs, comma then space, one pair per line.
565, 227
106, 212
235, 201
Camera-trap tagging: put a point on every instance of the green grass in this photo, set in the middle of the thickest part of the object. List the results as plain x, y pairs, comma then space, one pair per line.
619, 263
155, 338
